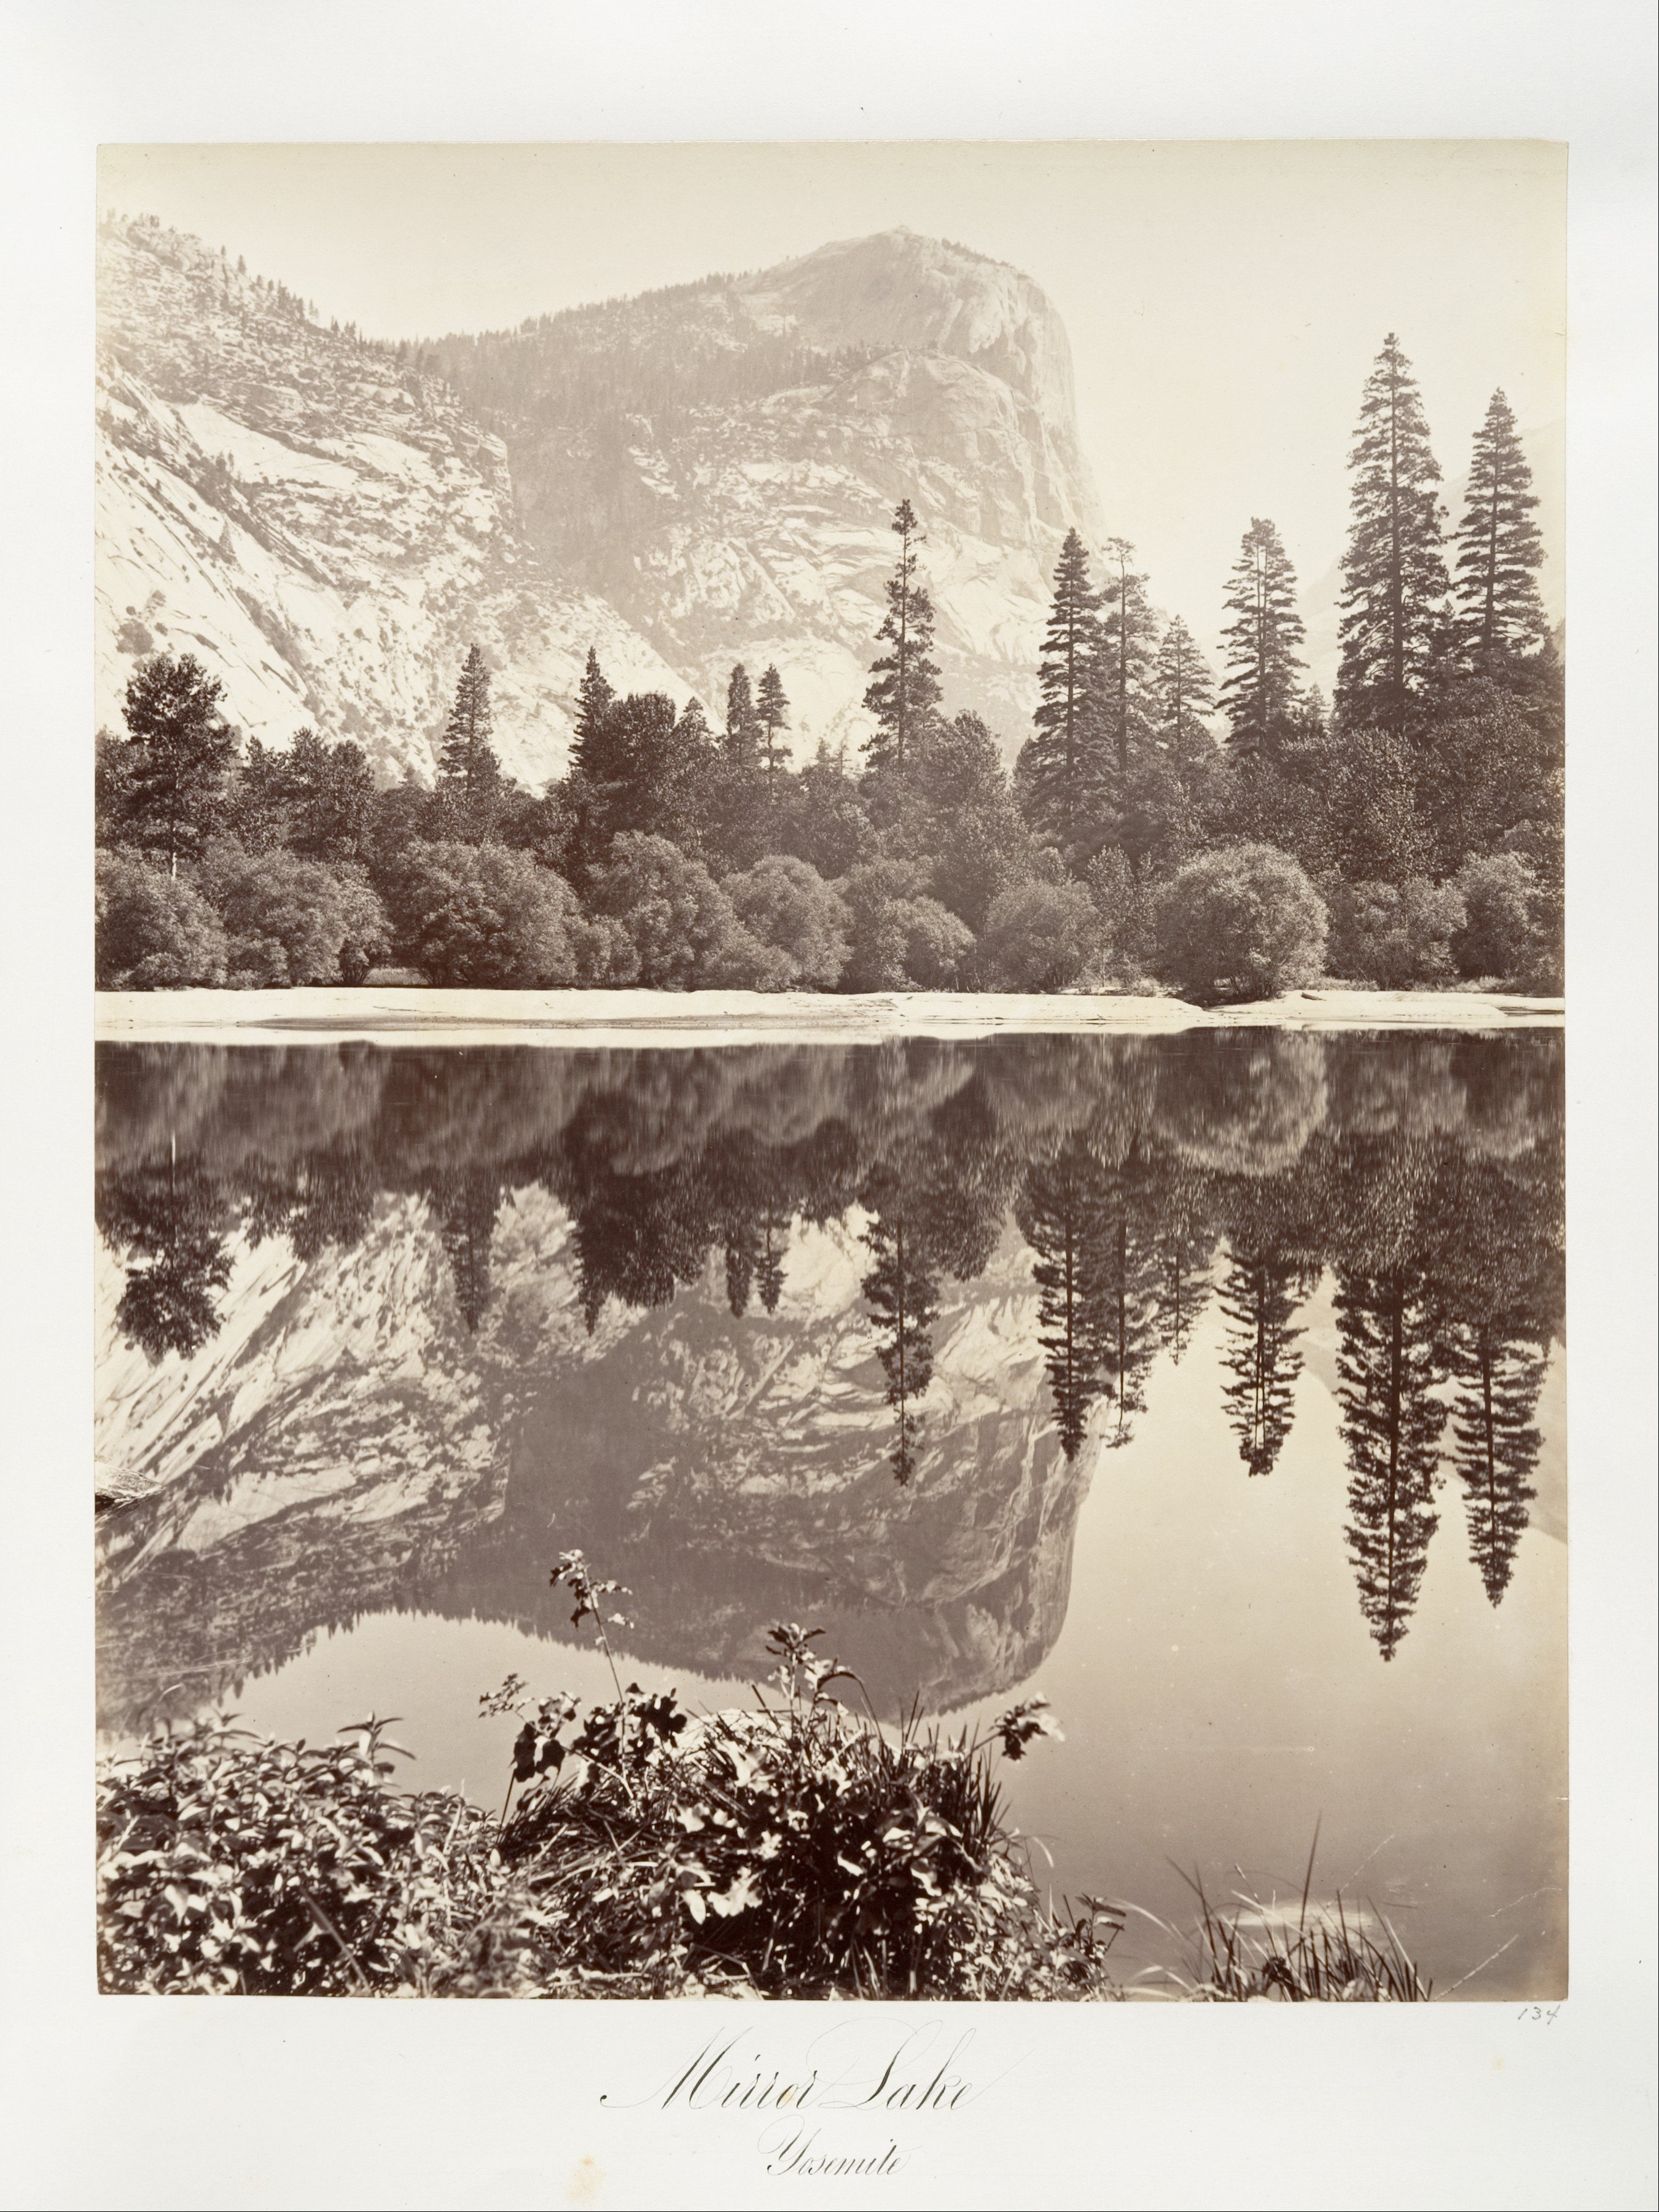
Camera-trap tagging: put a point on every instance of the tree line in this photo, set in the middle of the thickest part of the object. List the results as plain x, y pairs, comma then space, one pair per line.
1145, 1180
1408, 833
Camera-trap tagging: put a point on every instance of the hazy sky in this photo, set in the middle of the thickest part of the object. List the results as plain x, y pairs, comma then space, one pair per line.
1225, 300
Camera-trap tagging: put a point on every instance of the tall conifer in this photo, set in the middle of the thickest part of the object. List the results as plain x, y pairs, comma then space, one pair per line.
1499, 1378
772, 710
1185, 692
902, 1287
1499, 551
904, 692
1060, 1214
1260, 1296
1057, 768
741, 723
1264, 672
1389, 1365
1394, 585
594, 700
1128, 640
469, 774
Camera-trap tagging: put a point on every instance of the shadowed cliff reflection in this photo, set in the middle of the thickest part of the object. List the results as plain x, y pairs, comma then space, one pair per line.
382, 1317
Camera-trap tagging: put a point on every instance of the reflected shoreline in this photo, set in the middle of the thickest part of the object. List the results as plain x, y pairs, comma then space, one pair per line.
778, 1327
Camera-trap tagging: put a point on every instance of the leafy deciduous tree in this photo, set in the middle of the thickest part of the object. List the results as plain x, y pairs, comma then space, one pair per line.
154, 932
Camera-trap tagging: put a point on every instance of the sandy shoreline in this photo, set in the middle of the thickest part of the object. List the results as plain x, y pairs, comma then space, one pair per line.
705, 1017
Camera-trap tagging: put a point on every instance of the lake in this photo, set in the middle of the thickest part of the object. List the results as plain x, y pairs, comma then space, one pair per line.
1211, 1385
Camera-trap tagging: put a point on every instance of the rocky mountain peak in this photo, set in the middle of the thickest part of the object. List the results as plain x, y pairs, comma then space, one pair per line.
683, 479
898, 289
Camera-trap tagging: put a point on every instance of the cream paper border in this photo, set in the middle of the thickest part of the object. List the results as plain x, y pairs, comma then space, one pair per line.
136, 2102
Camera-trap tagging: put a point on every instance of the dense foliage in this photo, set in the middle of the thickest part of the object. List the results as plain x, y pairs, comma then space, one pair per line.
1242, 923
794, 1849
675, 856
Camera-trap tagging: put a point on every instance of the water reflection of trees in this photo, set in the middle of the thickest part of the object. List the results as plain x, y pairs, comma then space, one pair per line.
1144, 1175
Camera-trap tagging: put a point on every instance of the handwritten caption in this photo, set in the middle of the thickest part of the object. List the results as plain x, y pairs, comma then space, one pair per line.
810, 2106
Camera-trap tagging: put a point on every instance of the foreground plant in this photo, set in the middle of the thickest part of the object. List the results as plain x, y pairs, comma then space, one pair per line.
795, 1848
1246, 1948
229, 1865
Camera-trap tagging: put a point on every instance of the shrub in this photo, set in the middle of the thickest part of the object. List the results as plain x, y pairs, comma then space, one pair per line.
1500, 934
1127, 908
1037, 936
154, 931
1248, 1103
1242, 923
291, 920
482, 917
791, 1849
794, 1849
229, 1865
683, 929
901, 939
1395, 935
794, 1844
786, 904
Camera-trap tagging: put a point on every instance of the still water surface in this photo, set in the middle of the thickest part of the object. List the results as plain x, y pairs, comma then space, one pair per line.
1210, 1385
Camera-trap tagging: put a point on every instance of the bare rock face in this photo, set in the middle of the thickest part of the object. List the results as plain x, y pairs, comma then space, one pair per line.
325, 528
721, 461
682, 481
348, 1446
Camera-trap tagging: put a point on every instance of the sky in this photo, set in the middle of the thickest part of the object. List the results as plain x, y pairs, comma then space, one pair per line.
1225, 300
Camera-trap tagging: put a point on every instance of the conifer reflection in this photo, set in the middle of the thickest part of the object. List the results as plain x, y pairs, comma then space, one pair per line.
1419, 1177
1259, 1295
903, 1289
1391, 1362
1062, 1216
1497, 1445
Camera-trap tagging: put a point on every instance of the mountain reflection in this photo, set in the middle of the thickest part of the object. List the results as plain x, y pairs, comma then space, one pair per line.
471, 1329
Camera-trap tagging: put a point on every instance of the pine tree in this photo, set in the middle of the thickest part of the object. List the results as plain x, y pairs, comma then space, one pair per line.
904, 694
1128, 647
1123, 1280
594, 700
1499, 612
1495, 1445
1258, 1296
1185, 691
1061, 1216
741, 723
1264, 672
1394, 585
1390, 1363
772, 711
469, 774
1057, 768
1181, 1249
182, 748
903, 1289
